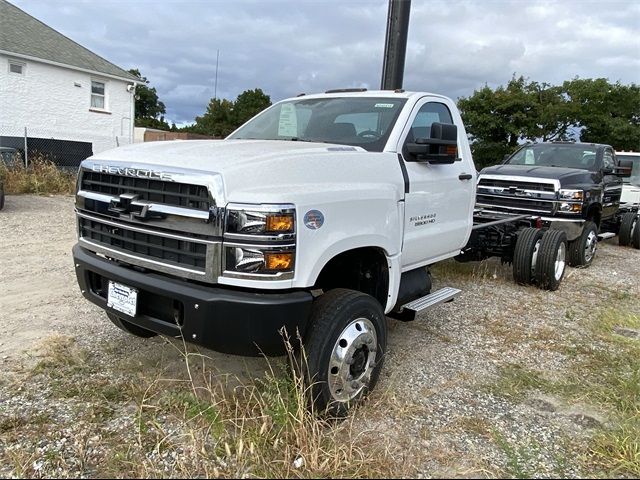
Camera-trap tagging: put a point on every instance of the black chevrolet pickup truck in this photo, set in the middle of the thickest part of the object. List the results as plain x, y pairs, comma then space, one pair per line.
574, 187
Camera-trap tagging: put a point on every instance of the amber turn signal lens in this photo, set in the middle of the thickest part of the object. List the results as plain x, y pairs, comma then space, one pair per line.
452, 150
279, 223
278, 261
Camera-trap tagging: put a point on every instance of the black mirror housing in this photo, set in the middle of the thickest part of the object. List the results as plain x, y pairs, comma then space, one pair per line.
440, 148
624, 169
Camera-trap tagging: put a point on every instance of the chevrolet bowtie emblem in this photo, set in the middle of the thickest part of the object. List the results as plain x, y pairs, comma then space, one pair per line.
128, 203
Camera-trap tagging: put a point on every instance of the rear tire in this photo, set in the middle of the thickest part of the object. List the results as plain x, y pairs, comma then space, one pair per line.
130, 327
583, 249
635, 234
341, 363
627, 227
551, 262
525, 255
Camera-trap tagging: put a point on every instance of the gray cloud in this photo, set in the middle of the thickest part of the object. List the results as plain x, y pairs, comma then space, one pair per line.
307, 46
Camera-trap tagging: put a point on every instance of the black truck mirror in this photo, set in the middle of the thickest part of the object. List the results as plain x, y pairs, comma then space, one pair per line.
440, 148
624, 168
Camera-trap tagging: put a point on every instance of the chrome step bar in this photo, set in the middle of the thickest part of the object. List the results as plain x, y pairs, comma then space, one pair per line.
605, 235
436, 298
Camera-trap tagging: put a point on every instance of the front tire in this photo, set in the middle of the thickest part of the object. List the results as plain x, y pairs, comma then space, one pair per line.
551, 259
130, 327
583, 249
344, 349
627, 228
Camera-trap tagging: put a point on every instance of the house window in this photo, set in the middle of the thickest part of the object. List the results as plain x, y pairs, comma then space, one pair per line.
97, 95
16, 67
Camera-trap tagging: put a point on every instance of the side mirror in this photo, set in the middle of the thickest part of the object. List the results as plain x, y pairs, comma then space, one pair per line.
624, 168
441, 148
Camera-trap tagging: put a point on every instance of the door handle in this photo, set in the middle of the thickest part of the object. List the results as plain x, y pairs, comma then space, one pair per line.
465, 176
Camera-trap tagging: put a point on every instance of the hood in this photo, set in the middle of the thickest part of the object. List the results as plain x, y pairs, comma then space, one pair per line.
263, 171
567, 176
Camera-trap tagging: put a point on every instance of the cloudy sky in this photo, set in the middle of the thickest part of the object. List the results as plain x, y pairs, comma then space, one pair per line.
288, 47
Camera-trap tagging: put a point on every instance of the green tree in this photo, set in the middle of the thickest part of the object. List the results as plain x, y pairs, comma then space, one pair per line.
149, 109
224, 116
605, 112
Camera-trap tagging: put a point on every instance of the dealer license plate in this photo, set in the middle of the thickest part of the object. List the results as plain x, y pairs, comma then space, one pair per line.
122, 298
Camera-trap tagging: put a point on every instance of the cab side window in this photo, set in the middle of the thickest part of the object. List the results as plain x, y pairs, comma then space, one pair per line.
421, 127
607, 160
429, 113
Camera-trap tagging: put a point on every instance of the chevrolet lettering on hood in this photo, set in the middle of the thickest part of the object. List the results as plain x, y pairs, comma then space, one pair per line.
133, 172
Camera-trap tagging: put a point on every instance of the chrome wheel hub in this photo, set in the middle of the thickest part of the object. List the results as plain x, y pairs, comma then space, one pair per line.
352, 360
560, 261
591, 246
534, 258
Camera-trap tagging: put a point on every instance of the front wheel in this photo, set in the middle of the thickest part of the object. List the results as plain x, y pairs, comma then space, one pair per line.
344, 349
583, 249
551, 259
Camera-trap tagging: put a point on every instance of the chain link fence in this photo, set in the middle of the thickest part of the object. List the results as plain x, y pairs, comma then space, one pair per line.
65, 150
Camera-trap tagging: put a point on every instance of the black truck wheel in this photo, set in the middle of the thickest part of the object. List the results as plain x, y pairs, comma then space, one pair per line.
551, 261
635, 235
130, 327
344, 349
582, 250
627, 228
525, 255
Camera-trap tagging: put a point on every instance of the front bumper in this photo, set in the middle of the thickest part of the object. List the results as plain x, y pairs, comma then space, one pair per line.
222, 319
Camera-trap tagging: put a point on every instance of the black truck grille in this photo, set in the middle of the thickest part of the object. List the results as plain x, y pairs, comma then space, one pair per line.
516, 195
166, 250
169, 193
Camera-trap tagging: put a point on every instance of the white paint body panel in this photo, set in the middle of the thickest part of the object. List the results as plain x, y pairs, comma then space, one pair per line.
361, 194
46, 100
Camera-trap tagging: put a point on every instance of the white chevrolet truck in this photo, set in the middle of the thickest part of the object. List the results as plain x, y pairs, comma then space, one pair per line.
319, 218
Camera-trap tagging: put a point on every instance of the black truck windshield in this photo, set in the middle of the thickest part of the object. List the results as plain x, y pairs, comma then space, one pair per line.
634, 179
358, 121
561, 155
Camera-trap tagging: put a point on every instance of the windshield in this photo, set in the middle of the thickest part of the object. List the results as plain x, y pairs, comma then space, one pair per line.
359, 121
634, 179
561, 155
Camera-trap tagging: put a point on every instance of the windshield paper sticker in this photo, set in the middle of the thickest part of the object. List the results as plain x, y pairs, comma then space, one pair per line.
288, 123
384, 105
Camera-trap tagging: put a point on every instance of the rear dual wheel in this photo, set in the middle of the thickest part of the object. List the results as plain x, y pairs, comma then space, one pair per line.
540, 257
629, 234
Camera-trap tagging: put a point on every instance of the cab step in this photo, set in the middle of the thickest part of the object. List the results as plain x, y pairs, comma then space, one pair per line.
605, 235
445, 294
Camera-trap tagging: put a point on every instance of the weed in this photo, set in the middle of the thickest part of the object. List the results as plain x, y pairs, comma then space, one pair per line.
41, 177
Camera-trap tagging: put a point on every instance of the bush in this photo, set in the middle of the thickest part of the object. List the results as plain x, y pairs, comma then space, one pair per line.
41, 177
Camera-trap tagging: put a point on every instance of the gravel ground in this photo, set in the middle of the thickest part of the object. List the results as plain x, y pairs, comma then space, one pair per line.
438, 400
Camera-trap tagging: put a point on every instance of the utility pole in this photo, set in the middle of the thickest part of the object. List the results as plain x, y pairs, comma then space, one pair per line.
215, 88
395, 46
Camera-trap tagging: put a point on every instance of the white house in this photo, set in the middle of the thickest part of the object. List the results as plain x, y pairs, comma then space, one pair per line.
57, 89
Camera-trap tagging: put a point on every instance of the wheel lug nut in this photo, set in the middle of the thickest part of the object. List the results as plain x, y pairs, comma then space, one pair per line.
355, 385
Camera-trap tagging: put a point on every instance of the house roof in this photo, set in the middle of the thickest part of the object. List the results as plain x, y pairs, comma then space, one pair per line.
22, 34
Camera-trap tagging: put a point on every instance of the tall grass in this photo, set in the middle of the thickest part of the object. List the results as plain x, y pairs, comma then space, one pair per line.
41, 177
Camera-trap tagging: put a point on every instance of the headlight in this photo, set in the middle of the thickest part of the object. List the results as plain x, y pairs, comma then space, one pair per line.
567, 207
259, 241
258, 260
576, 195
260, 220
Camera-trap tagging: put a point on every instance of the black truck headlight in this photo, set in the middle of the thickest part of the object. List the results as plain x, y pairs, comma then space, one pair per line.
259, 241
571, 195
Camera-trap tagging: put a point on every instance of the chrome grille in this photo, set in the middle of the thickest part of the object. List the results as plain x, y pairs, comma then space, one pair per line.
519, 194
158, 191
167, 249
